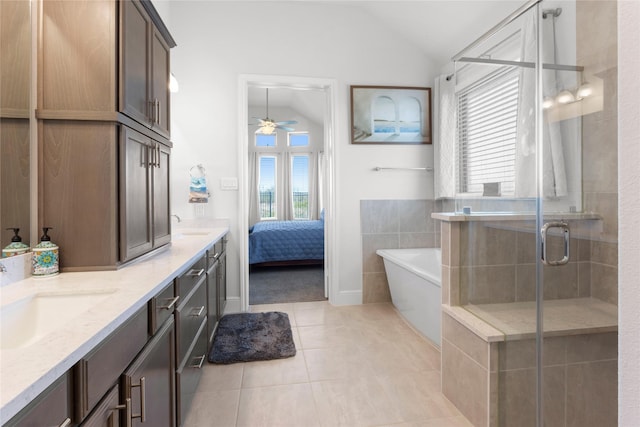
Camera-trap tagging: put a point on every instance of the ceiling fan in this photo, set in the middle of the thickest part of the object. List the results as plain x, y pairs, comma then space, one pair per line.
267, 126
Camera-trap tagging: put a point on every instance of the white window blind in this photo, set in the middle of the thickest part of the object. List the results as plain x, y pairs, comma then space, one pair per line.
487, 119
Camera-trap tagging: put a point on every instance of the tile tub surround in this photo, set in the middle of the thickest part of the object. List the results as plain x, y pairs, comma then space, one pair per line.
392, 224
26, 372
489, 330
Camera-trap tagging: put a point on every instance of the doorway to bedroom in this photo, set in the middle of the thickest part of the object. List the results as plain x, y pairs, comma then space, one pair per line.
288, 138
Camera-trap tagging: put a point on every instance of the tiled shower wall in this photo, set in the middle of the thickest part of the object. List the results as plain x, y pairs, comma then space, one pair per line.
393, 224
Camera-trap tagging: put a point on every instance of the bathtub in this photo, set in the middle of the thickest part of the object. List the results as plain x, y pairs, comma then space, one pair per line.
414, 277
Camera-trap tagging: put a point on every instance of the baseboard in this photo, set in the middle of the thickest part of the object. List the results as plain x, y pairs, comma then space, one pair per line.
347, 298
232, 306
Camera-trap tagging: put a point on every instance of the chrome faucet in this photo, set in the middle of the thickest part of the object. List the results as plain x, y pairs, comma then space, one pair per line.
3, 269
177, 217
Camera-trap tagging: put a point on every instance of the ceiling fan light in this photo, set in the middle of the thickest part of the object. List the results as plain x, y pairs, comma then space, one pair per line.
267, 128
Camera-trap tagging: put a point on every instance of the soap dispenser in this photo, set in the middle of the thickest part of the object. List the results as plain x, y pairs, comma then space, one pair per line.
45, 256
16, 247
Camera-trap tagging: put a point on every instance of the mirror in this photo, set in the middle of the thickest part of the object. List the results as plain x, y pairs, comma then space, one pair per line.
15, 87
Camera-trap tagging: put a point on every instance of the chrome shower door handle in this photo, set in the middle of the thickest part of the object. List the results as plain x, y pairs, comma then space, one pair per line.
565, 231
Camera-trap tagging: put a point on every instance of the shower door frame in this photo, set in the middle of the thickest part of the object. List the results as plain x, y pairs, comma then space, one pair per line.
531, 6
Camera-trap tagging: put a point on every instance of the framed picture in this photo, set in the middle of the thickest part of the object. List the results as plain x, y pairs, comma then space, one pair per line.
390, 115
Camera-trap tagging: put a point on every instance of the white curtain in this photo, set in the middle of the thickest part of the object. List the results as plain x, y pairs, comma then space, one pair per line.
554, 173
313, 186
445, 142
285, 189
254, 194
319, 197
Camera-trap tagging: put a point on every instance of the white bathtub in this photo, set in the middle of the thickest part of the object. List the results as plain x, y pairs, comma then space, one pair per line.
415, 278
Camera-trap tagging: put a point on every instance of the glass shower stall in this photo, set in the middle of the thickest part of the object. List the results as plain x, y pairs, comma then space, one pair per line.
530, 241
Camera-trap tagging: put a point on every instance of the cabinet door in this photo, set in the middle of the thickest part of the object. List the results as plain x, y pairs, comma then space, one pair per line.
107, 413
161, 200
135, 189
150, 381
160, 72
135, 62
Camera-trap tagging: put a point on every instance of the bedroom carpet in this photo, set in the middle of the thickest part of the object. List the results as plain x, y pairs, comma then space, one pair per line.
273, 285
247, 337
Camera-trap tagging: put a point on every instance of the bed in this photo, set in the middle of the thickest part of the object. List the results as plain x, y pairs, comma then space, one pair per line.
286, 242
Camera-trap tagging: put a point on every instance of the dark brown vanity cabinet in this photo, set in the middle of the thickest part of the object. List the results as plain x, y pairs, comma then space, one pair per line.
53, 407
145, 78
216, 286
144, 194
103, 130
148, 387
191, 328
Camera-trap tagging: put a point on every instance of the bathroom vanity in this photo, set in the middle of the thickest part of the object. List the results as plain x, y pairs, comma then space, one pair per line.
112, 347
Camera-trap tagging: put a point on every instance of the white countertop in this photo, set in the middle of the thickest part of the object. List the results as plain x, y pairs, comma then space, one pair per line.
27, 371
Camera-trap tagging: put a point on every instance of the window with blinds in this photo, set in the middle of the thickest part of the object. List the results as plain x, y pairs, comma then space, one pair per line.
487, 119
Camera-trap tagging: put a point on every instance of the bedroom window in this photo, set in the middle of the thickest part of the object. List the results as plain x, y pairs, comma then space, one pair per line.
487, 118
263, 140
300, 186
298, 139
267, 187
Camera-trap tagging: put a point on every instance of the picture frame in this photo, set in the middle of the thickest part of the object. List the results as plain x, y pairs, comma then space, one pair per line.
391, 115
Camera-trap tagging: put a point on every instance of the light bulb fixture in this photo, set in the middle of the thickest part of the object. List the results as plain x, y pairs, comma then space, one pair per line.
585, 90
547, 103
565, 97
268, 128
173, 84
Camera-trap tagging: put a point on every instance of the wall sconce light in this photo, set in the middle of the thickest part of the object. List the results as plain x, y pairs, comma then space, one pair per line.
567, 96
173, 84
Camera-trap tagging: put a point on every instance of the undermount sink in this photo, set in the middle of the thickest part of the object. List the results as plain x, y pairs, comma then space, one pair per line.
29, 319
194, 232
186, 232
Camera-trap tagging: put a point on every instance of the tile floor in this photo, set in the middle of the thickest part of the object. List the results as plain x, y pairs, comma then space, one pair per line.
355, 366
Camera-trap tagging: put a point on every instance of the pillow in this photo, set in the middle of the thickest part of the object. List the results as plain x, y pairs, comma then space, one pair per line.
322, 215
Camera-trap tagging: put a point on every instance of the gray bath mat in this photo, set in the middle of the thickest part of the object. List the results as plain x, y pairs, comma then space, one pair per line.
246, 337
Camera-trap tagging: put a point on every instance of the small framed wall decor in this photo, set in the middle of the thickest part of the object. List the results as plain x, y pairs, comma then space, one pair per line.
391, 115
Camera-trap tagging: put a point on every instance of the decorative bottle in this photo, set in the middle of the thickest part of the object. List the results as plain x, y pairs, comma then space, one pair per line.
45, 256
16, 247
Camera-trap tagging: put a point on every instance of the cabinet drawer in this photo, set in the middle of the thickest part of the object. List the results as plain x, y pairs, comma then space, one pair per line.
51, 408
189, 373
190, 314
97, 372
161, 307
188, 280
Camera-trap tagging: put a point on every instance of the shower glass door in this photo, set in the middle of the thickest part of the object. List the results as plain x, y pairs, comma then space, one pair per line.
536, 215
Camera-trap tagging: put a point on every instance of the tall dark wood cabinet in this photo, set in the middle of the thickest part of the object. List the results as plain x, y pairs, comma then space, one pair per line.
103, 129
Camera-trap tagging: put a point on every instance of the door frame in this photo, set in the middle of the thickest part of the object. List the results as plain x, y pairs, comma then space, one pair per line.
329, 87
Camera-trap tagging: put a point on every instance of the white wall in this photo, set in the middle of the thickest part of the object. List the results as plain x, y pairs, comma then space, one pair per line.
629, 207
218, 41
